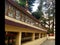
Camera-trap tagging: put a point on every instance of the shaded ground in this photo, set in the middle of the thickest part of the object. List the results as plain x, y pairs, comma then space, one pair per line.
49, 42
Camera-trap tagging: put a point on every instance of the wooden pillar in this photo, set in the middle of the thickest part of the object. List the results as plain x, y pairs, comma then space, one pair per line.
39, 35
18, 39
33, 36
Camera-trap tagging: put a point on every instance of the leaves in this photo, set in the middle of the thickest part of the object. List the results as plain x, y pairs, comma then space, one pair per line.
22, 2
30, 4
36, 15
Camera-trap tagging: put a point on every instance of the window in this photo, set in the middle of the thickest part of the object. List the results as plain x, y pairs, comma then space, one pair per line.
26, 37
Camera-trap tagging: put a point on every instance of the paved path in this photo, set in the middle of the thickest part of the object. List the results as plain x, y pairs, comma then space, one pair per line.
49, 42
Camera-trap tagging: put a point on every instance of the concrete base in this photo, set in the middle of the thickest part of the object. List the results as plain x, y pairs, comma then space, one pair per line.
36, 42
51, 37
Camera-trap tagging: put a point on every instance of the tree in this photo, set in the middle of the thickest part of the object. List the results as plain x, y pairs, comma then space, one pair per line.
40, 8
30, 4
36, 15
51, 11
21, 2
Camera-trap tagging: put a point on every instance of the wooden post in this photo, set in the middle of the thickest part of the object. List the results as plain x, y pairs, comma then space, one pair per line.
39, 35
18, 39
33, 36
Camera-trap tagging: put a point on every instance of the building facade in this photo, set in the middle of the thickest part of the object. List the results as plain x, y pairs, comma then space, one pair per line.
21, 28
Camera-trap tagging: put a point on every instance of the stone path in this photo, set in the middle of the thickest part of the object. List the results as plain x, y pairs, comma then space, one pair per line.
49, 42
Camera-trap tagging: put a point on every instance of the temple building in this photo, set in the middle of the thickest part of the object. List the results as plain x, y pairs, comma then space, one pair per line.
21, 28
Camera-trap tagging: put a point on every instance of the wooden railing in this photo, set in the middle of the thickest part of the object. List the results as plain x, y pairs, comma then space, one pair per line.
17, 12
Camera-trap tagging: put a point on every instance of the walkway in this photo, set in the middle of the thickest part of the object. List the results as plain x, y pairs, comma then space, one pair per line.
49, 42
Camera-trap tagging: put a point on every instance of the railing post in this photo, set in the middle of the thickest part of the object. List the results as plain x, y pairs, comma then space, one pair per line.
7, 9
15, 13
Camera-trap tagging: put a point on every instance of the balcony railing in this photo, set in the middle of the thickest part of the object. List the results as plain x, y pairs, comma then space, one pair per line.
17, 14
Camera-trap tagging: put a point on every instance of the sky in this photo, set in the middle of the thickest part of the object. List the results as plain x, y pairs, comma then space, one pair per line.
36, 4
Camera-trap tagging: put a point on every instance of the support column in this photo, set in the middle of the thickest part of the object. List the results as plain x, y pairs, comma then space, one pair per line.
39, 35
18, 39
33, 36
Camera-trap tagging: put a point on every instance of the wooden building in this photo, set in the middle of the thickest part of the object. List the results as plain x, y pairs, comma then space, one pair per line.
21, 28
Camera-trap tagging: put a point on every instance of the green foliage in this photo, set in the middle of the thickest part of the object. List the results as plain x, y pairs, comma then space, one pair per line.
30, 3
36, 15
22, 2
50, 31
